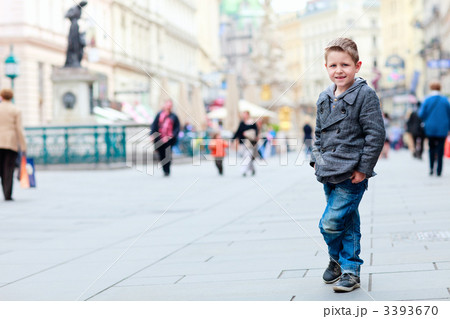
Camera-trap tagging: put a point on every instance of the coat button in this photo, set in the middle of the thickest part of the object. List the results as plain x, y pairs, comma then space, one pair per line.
321, 110
338, 130
343, 111
334, 150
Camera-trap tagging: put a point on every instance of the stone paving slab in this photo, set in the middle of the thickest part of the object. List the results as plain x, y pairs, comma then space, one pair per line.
440, 224
125, 235
270, 289
246, 276
411, 257
442, 265
223, 291
147, 281
412, 295
391, 281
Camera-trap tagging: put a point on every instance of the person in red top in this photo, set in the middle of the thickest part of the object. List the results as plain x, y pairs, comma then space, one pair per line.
164, 131
218, 148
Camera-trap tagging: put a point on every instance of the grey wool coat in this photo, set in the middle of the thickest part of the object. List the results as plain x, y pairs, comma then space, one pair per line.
349, 134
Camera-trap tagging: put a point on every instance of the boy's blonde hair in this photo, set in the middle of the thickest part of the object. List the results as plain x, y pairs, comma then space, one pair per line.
343, 45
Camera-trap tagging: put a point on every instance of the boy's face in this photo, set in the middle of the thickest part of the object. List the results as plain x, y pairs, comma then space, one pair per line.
341, 69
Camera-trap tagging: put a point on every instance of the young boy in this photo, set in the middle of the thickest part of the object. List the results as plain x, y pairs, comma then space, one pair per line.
349, 136
218, 148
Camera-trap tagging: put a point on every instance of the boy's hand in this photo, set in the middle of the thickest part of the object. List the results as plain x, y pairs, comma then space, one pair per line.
357, 177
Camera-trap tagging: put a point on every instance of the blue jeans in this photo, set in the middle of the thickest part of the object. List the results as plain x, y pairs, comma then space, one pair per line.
340, 224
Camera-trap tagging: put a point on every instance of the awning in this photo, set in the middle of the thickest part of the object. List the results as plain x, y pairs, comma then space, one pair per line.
405, 99
256, 111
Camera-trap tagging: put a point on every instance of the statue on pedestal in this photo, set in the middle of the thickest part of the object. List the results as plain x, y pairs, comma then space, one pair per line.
72, 84
77, 40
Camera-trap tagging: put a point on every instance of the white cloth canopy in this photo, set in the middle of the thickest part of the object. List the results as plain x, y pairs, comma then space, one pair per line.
256, 111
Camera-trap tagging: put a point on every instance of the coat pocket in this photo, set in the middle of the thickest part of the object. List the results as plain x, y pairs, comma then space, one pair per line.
339, 160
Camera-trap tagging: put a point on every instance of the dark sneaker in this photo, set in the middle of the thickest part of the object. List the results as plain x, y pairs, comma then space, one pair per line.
332, 273
346, 283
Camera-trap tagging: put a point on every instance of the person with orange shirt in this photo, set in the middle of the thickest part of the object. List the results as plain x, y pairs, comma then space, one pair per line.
218, 148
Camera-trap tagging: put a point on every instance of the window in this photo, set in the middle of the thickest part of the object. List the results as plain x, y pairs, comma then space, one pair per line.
374, 22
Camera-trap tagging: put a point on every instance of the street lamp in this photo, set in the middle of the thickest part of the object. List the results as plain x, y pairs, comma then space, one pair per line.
11, 67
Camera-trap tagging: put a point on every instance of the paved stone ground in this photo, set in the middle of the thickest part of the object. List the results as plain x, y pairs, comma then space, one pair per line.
125, 235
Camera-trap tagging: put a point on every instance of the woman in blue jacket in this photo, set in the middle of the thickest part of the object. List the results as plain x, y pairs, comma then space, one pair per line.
435, 113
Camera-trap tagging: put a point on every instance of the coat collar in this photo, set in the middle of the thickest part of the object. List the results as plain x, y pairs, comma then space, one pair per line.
350, 95
330, 117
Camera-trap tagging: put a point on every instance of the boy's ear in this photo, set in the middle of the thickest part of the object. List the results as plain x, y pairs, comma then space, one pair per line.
358, 66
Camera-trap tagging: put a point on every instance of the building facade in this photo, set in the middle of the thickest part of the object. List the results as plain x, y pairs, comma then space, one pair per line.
209, 59
131, 46
291, 27
325, 20
402, 65
239, 24
435, 24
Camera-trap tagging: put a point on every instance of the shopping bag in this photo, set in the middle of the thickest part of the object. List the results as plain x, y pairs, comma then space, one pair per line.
30, 172
24, 179
27, 175
447, 147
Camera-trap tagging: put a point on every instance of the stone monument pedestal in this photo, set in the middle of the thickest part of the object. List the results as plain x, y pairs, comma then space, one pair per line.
72, 96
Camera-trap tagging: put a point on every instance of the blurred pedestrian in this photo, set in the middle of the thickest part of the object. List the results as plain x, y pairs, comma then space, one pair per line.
247, 137
387, 142
164, 130
262, 139
188, 127
218, 147
307, 138
349, 138
414, 126
435, 113
396, 136
12, 138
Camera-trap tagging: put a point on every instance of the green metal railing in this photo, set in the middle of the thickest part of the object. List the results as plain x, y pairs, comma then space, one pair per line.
87, 143
78, 144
